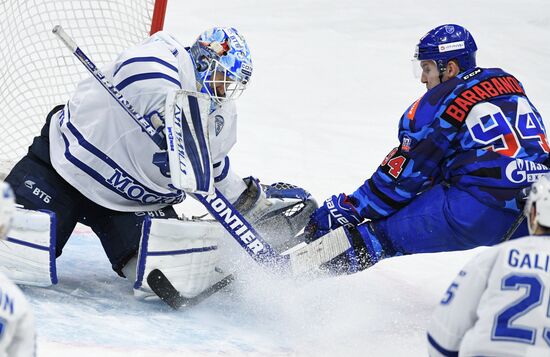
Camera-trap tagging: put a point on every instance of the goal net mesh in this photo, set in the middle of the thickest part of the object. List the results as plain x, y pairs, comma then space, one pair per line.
38, 72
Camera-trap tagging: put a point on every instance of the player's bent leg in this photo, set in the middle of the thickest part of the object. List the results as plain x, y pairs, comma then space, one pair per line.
443, 219
120, 232
38, 187
138, 242
28, 255
186, 252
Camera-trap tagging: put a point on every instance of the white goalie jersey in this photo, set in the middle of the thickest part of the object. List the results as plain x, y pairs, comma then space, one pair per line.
102, 152
17, 332
499, 304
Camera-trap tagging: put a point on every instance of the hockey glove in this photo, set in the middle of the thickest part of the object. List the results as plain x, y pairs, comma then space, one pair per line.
278, 211
335, 212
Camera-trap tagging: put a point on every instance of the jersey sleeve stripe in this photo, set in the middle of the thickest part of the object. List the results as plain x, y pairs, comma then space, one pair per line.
145, 59
225, 170
440, 349
385, 198
146, 76
103, 157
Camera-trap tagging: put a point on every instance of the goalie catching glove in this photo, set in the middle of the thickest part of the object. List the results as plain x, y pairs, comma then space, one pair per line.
278, 211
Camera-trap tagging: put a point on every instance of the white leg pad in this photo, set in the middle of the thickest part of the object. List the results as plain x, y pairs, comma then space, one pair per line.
27, 256
185, 251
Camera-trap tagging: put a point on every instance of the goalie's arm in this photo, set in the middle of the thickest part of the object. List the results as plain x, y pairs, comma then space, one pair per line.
227, 181
144, 74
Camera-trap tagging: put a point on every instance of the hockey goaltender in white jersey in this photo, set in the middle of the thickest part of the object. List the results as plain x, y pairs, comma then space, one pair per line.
95, 164
499, 304
114, 165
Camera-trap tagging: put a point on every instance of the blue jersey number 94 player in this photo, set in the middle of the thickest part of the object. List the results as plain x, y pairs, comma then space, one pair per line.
467, 147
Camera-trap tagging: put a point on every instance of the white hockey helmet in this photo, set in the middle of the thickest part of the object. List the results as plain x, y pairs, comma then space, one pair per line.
7, 208
540, 197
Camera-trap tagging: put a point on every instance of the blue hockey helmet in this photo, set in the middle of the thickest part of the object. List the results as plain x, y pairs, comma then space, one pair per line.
445, 43
223, 64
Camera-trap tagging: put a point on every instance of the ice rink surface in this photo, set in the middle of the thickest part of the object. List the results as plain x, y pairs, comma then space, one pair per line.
331, 80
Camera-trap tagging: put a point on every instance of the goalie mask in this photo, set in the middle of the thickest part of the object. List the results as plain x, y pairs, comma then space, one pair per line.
539, 196
7, 208
223, 65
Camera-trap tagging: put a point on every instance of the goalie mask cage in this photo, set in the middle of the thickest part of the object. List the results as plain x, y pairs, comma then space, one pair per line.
37, 72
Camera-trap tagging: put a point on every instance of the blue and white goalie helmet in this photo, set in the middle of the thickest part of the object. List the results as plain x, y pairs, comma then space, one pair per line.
445, 43
222, 62
539, 196
7, 209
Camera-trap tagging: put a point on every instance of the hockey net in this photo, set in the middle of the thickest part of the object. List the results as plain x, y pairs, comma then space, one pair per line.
37, 71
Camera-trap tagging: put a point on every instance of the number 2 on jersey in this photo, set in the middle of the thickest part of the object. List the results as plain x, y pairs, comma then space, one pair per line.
504, 328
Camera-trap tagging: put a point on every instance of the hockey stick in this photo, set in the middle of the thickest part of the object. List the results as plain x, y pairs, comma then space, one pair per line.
161, 286
510, 232
156, 135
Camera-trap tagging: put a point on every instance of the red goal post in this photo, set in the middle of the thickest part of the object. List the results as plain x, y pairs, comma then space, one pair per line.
36, 70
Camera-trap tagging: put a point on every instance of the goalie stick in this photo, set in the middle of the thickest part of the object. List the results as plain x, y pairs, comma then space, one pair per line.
160, 284
155, 134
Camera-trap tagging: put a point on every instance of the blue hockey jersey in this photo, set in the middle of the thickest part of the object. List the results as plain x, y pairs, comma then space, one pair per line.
478, 132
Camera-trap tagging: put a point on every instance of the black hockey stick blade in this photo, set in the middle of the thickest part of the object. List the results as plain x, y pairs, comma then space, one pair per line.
161, 286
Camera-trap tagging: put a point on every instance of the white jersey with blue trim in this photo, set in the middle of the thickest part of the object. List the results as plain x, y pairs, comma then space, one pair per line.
499, 304
106, 155
17, 331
